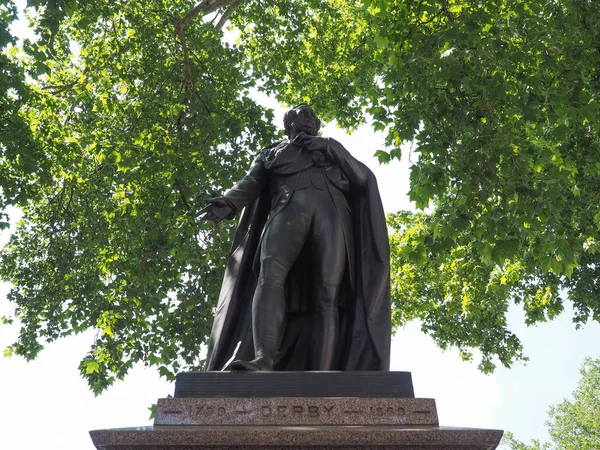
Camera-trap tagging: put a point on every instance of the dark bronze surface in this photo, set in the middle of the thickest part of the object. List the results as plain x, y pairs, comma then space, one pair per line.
307, 283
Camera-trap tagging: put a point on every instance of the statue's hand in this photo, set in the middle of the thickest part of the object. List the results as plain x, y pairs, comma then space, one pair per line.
216, 210
314, 143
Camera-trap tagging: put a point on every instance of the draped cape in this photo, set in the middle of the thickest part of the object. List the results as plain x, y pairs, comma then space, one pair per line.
365, 316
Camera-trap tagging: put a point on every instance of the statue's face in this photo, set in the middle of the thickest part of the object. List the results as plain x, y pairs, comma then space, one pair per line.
306, 121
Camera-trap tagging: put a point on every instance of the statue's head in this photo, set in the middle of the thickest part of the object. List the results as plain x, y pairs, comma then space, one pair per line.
301, 118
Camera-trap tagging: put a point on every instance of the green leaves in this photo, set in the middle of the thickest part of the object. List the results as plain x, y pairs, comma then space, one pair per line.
454, 287
574, 423
124, 127
90, 366
381, 41
118, 155
382, 156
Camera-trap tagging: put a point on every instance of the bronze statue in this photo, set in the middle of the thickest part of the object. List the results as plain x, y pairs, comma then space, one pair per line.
307, 283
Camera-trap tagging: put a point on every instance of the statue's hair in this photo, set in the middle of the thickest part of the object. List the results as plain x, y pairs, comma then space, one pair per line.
290, 116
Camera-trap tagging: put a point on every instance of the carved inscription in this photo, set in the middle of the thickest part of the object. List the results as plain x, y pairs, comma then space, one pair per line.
296, 411
380, 411
210, 411
299, 411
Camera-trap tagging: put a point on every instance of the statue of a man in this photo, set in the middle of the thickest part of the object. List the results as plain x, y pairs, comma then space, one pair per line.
307, 283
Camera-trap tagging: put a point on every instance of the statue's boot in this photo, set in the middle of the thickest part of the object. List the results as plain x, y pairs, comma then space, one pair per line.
259, 364
268, 318
325, 345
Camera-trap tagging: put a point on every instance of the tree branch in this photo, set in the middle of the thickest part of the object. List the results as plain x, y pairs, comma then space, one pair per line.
187, 67
182, 196
235, 5
59, 89
204, 7
5, 119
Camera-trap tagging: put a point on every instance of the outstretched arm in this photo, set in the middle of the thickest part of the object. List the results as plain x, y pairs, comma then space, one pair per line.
241, 194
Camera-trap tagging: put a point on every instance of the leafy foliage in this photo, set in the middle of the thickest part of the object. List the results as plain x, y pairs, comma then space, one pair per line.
509, 441
501, 100
573, 424
511, 164
516, 190
130, 144
123, 116
17, 168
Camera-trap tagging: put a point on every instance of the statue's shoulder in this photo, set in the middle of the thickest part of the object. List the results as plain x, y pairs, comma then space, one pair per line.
269, 150
275, 145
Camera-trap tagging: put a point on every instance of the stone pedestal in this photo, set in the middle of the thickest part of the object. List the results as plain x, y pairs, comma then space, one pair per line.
296, 411
362, 410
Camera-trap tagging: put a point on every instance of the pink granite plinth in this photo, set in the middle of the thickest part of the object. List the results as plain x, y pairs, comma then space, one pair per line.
290, 411
382, 437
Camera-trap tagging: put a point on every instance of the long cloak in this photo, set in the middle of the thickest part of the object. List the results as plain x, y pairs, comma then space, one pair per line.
365, 315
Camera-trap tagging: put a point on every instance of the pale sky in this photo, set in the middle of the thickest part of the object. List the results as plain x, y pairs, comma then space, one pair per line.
46, 404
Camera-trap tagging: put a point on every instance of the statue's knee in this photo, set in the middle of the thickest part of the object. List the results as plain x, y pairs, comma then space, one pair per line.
326, 300
273, 271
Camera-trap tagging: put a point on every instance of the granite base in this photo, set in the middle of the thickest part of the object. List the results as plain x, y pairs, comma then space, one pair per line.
295, 411
296, 438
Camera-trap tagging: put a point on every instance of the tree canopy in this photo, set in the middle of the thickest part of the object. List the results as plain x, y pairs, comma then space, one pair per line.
573, 424
123, 116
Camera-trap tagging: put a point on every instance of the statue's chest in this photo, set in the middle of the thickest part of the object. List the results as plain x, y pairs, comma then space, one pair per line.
287, 159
